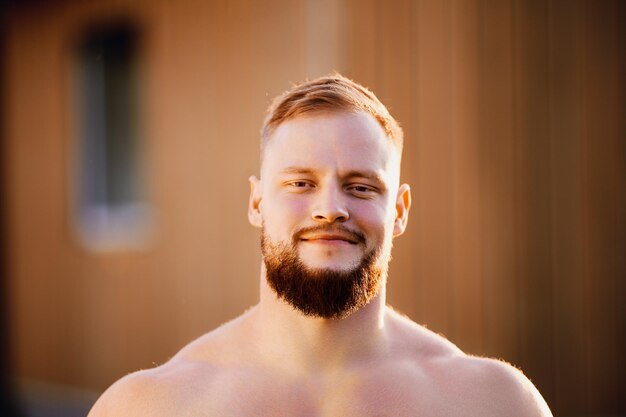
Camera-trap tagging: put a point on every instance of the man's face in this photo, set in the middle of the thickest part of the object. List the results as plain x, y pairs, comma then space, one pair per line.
329, 202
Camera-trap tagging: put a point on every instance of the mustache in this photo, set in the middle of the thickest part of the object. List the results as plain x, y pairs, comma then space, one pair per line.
355, 235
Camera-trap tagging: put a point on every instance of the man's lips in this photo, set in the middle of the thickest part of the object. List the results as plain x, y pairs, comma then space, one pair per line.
328, 238
329, 235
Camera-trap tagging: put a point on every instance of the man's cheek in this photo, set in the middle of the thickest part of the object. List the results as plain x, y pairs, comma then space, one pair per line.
294, 209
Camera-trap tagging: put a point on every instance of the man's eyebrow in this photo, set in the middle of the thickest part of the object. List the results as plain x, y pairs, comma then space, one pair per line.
297, 170
371, 175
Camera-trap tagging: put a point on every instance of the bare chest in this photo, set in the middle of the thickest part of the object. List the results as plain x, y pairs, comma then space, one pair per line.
395, 392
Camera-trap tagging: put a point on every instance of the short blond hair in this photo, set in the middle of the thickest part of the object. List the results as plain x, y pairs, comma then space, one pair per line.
330, 93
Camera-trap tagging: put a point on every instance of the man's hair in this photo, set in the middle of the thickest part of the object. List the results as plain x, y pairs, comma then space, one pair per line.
330, 93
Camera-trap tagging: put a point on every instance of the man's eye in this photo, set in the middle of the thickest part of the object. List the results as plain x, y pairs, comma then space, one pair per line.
361, 189
300, 184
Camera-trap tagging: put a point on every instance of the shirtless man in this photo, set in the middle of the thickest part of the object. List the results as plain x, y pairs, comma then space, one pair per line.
321, 341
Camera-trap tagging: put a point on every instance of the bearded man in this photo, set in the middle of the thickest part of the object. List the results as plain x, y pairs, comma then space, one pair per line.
322, 341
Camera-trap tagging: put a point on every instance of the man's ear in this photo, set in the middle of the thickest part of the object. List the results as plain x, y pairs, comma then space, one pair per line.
403, 204
254, 213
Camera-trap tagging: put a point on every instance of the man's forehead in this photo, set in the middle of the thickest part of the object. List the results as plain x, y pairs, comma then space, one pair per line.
333, 118
346, 129
316, 132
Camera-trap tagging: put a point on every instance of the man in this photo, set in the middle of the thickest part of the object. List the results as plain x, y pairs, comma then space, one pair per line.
321, 341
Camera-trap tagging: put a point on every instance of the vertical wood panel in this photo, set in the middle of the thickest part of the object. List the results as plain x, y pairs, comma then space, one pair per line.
619, 245
602, 142
433, 187
32, 193
499, 181
467, 300
532, 101
325, 37
570, 370
363, 41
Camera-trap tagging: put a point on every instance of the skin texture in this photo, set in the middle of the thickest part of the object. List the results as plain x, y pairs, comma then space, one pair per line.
322, 171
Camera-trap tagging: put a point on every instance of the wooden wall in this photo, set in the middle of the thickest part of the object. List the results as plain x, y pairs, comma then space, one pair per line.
515, 149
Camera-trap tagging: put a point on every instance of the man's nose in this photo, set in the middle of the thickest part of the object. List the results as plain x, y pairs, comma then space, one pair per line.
330, 206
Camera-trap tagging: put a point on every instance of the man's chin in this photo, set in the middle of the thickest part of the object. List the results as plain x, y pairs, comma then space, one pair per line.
322, 268
338, 263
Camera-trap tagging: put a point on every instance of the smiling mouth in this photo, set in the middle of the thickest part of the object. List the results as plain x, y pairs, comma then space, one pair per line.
330, 236
329, 240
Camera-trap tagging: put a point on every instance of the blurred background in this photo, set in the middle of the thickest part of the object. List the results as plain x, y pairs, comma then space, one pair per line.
129, 129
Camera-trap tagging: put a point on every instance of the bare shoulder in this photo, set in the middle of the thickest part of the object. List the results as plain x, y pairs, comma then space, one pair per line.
478, 386
161, 391
139, 393
496, 384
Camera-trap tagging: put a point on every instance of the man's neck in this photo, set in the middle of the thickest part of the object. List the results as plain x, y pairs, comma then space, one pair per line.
311, 344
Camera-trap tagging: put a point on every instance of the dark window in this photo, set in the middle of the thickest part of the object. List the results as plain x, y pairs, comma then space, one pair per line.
111, 202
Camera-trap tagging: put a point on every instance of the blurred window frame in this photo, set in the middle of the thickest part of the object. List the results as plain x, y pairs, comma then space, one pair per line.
111, 211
